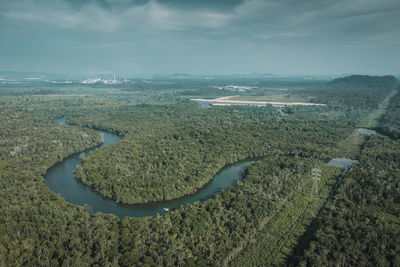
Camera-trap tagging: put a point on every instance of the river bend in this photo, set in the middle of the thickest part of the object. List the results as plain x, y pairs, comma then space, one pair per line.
60, 179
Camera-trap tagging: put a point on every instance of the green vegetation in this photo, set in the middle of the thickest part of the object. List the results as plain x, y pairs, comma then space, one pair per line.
390, 121
173, 143
361, 225
172, 150
351, 147
49, 231
276, 236
217, 229
374, 119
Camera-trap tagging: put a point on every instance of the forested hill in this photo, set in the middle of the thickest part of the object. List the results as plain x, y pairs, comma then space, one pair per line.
363, 81
361, 91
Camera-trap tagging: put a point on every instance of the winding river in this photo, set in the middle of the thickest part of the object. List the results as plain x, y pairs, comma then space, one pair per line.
60, 179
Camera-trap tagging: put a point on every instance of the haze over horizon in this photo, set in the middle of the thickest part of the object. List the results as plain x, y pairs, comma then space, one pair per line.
132, 37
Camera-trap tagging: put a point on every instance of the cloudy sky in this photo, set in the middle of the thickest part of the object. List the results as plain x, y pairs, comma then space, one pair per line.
133, 37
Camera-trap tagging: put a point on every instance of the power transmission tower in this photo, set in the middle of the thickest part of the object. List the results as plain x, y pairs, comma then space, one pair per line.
315, 176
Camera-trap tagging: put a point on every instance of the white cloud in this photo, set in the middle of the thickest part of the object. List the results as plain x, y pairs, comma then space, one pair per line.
270, 20
91, 16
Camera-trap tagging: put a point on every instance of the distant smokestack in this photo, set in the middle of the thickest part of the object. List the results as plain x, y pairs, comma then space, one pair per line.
114, 78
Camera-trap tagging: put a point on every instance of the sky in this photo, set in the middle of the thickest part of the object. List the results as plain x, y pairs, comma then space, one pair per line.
133, 37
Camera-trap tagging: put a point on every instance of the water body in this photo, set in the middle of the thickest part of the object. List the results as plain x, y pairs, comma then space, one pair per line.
341, 162
61, 179
205, 104
281, 112
365, 131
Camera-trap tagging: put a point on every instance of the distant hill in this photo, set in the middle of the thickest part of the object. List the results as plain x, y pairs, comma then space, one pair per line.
180, 76
361, 91
356, 81
22, 75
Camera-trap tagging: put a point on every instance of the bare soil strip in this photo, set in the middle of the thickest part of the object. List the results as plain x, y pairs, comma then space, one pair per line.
226, 101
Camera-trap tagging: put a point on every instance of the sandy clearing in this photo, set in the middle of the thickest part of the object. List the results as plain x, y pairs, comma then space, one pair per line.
226, 101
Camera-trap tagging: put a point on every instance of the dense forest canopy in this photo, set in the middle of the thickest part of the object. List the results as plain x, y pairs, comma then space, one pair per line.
172, 150
171, 147
361, 225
